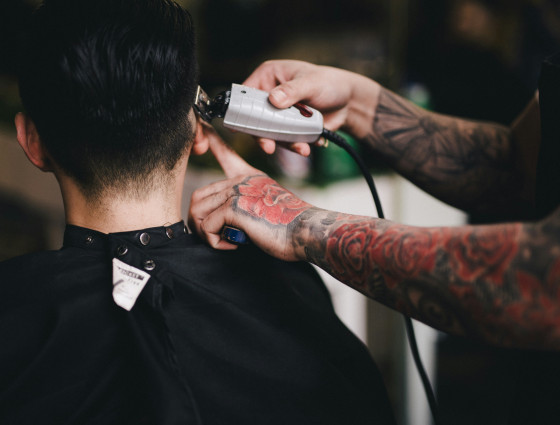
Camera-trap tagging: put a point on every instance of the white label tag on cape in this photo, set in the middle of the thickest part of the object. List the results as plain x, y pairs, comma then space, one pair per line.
128, 283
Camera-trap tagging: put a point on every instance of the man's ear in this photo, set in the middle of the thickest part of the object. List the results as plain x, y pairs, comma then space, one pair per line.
201, 142
31, 143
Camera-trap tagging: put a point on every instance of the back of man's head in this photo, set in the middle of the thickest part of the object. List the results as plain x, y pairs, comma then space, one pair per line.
109, 85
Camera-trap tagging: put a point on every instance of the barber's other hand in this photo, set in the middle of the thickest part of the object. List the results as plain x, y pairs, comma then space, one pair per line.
248, 200
346, 100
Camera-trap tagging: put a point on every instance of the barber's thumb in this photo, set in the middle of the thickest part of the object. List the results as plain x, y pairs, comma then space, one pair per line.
281, 96
292, 92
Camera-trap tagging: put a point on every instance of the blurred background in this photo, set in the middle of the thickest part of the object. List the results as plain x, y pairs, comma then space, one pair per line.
474, 58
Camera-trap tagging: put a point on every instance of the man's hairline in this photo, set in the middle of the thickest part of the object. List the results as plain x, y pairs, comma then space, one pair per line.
124, 190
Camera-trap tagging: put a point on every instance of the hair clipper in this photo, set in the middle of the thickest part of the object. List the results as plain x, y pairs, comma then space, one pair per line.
248, 110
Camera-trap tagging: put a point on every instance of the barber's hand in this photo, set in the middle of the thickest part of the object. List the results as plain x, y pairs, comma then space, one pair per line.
248, 200
345, 99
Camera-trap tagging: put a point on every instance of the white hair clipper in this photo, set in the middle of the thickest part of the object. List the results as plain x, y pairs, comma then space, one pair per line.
247, 110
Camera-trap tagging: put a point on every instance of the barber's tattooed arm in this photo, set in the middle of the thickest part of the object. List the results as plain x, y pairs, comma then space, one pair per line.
498, 283
468, 164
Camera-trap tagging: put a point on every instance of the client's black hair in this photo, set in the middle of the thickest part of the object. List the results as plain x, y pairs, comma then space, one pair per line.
109, 85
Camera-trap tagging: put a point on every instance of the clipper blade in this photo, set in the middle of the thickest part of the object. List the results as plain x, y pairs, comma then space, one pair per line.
202, 104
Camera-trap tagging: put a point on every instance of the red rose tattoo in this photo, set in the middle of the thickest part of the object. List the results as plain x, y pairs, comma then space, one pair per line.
354, 250
347, 249
262, 197
404, 254
483, 254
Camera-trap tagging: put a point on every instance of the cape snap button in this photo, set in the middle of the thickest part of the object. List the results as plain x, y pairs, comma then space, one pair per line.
122, 250
145, 239
149, 265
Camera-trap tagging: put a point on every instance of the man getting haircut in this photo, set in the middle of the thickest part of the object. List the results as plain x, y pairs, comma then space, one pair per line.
134, 320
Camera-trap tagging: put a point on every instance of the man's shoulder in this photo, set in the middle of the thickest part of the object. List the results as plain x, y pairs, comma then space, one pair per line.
248, 273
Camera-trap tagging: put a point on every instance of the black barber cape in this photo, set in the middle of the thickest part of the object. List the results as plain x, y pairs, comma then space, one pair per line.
232, 337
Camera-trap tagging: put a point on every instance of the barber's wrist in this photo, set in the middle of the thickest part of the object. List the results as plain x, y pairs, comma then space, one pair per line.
362, 106
302, 232
309, 232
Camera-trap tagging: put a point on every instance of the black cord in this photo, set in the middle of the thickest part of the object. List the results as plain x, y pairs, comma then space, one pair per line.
339, 141
421, 371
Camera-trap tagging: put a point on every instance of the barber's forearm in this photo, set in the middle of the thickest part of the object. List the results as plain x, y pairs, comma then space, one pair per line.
495, 283
467, 164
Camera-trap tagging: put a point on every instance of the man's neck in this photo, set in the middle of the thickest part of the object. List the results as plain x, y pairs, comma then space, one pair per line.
120, 215
115, 211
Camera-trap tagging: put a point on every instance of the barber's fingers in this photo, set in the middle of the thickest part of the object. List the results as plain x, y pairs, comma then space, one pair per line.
211, 226
212, 207
212, 188
300, 148
211, 229
287, 82
299, 89
269, 146
210, 197
232, 164
207, 200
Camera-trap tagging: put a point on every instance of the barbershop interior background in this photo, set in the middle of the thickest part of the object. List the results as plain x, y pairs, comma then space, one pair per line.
477, 59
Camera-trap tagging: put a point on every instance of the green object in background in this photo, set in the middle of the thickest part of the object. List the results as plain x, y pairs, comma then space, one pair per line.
333, 163
418, 94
